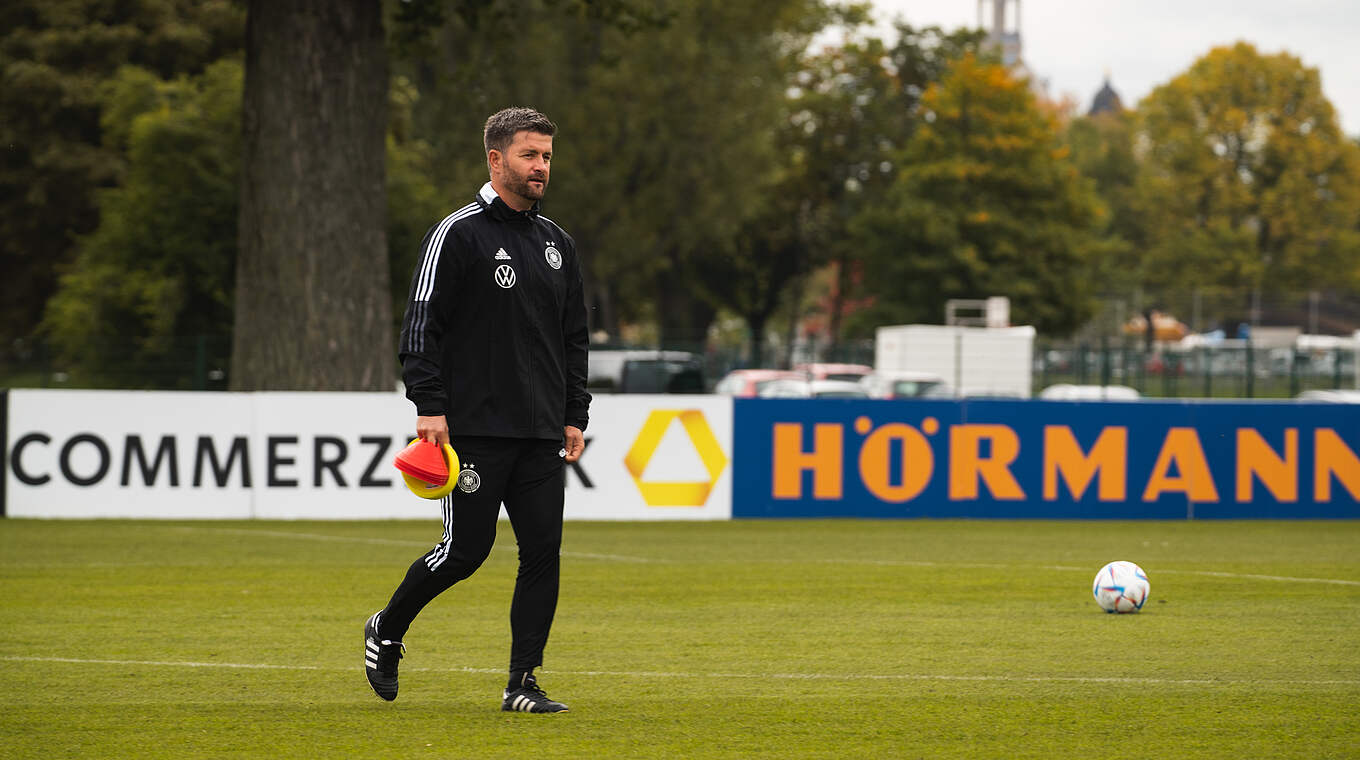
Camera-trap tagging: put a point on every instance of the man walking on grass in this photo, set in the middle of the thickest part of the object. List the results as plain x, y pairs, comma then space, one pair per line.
493, 350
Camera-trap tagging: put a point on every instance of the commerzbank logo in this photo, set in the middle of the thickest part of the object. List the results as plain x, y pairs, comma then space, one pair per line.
673, 493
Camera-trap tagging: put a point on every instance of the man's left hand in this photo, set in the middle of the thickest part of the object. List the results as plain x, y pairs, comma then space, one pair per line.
574, 441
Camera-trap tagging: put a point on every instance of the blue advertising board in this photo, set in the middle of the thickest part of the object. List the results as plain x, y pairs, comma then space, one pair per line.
1172, 459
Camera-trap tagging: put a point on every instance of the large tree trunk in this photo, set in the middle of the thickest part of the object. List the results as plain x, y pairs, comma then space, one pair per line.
756, 341
313, 306
842, 285
683, 318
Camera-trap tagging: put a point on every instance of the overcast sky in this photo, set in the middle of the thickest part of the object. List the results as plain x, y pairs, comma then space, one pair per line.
1144, 43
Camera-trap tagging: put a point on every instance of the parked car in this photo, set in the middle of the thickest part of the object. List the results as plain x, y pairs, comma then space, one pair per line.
634, 371
1069, 392
813, 389
903, 384
746, 383
1341, 396
850, 372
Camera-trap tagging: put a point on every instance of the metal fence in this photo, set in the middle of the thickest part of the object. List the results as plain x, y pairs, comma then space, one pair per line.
194, 362
1233, 369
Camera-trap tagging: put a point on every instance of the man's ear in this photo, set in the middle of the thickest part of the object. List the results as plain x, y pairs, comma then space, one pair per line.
494, 159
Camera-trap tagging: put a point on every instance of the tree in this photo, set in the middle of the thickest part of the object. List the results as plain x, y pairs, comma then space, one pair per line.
1102, 149
686, 157
54, 55
986, 203
414, 200
854, 108
1248, 181
313, 306
665, 139
159, 267
836, 118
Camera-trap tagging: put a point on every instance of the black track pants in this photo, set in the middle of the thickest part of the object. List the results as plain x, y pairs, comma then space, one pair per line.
527, 475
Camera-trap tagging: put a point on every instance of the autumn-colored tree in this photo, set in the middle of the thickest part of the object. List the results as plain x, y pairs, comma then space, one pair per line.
1247, 180
987, 204
848, 112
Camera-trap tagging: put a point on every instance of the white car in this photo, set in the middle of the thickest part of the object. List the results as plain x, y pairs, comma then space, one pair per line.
1068, 392
904, 384
813, 389
834, 371
1341, 396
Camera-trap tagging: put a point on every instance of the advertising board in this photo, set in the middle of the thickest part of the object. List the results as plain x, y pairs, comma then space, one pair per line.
1040, 459
327, 456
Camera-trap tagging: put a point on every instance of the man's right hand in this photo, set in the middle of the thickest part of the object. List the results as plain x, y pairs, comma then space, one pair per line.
433, 429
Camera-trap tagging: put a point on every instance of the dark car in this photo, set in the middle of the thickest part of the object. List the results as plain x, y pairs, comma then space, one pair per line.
635, 371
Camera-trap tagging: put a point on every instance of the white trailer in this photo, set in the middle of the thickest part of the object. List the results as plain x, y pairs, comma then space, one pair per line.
975, 361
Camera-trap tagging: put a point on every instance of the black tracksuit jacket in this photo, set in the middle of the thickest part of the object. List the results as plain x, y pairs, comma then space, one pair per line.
495, 336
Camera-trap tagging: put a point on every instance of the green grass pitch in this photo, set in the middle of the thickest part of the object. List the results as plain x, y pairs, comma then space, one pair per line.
773, 639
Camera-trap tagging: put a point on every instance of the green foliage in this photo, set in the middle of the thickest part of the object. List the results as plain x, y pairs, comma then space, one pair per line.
159, 269
1102, 150
1247, 180
663, 148
707, 160
54, 57
688, 158
414, 201
853, 110
782, 639
842, 115
160, 263
986, 203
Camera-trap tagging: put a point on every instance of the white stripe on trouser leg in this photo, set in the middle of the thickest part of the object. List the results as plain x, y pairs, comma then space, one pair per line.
441, 550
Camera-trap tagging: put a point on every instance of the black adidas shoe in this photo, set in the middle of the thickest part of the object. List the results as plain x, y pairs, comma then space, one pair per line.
380, 660
528, 697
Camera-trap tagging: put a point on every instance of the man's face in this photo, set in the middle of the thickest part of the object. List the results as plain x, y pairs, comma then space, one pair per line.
522, 169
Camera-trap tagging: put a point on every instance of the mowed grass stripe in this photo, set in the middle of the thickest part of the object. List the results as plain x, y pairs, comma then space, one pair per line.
831, 560
664, 674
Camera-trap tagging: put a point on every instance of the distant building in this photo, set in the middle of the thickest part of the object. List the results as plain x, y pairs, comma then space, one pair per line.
1106, 100
1000, 19
1003, 28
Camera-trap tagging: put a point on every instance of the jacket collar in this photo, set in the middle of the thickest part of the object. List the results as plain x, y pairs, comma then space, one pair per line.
498, 209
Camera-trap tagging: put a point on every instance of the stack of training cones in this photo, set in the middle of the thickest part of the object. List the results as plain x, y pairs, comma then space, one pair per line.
423, 461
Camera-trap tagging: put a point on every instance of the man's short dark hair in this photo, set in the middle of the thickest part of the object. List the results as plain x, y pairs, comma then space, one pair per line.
503, 125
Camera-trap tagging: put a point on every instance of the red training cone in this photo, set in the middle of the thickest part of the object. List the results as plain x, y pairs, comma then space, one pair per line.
424, 461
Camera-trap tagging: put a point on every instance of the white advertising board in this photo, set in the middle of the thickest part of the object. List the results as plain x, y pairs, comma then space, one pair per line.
328, 456
654, 458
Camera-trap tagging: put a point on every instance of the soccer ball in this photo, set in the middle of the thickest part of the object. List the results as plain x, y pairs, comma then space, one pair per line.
1121, 587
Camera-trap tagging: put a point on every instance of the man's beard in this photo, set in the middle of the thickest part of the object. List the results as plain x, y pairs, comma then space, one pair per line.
520, 185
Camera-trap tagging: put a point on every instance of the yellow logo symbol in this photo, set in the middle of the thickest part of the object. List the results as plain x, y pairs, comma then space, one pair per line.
675, 494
